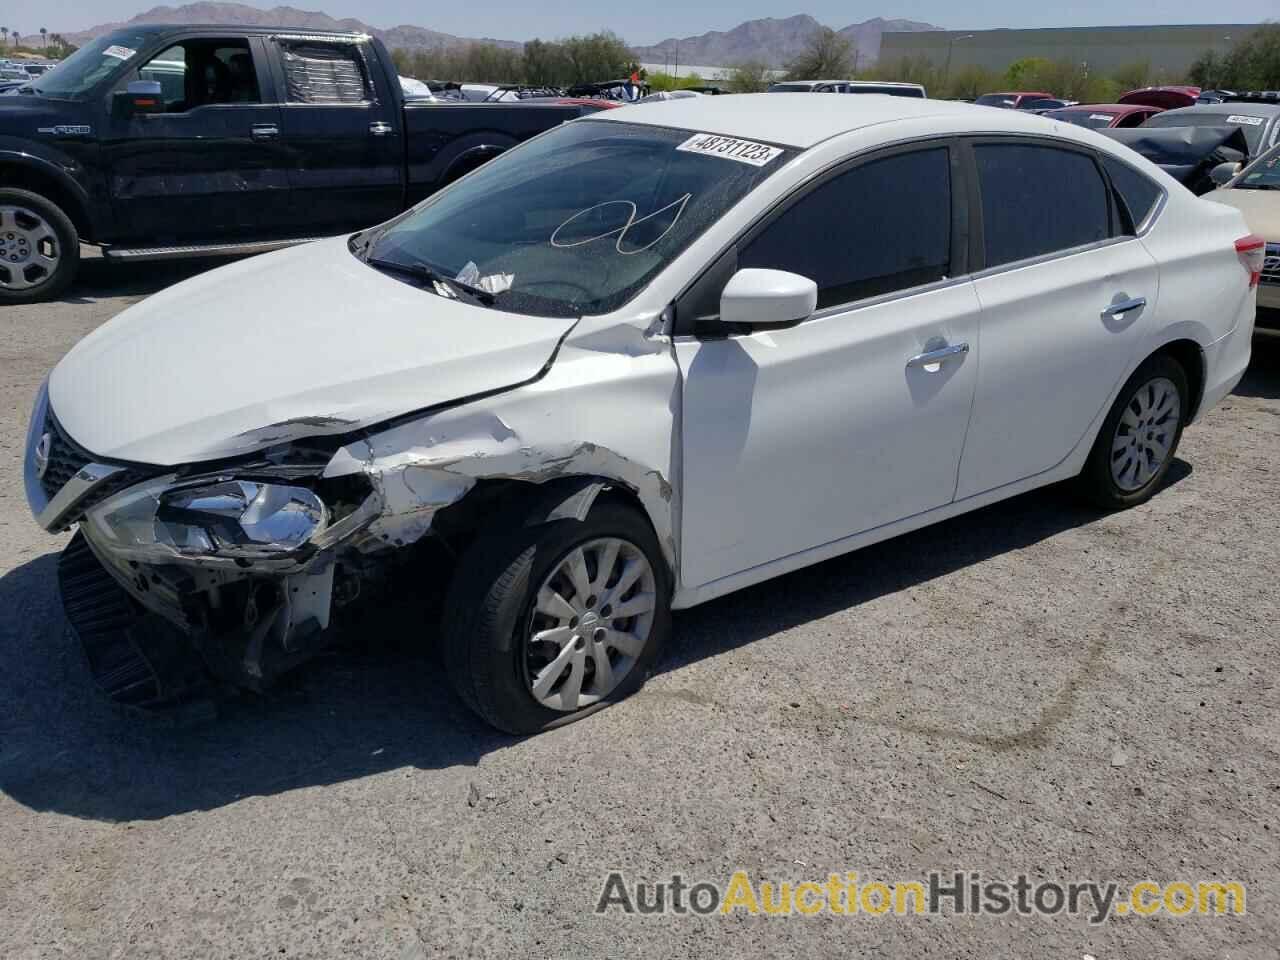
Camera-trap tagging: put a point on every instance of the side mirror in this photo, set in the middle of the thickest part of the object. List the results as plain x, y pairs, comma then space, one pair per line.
141, 96
1224, 172
756, 298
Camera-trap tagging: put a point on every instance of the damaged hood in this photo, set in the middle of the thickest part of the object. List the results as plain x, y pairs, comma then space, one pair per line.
305, 342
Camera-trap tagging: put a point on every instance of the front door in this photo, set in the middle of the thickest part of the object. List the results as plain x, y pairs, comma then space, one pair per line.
800, 436
1064, 296
207, 166
344, 133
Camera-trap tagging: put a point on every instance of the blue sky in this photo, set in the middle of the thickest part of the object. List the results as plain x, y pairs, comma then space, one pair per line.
653, 20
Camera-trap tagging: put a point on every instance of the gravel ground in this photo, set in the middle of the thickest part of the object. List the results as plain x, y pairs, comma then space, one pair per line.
1034, 688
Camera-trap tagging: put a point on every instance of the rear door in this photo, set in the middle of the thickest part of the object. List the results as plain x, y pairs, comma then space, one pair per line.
341, 125
205, 167
800, 436
1066, 292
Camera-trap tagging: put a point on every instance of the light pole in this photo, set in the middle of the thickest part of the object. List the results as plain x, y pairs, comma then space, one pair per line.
946, 71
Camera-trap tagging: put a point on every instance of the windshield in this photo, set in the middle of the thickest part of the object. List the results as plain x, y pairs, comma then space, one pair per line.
580, 219
1262, 174
790, 88
996, 100
82, 71
1082, 118
1253, 127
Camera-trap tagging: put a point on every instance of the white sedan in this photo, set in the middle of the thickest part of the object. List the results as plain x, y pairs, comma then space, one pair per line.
644, 360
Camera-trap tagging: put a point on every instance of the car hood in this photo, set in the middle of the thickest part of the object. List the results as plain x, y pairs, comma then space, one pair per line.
301, 343
33, 116
1261, 209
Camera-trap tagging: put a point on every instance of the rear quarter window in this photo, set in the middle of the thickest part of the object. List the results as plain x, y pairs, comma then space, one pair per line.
1138, 193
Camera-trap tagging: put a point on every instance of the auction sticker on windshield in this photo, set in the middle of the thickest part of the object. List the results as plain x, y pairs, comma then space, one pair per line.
1251, 121
730, 148
120, 53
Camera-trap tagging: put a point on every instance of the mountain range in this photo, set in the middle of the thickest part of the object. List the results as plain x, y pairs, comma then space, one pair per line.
772, 40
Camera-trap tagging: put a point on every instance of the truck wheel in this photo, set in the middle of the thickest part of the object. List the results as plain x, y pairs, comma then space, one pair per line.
545, 625
39, 248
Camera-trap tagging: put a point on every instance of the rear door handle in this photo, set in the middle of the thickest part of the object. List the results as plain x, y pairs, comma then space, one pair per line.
1114, 311
941, 355
264, 131
380, 128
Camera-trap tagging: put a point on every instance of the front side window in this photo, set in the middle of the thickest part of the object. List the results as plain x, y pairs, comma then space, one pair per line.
578, 220
1038, 200
317, 72
877, 228
91, 64
203, 72
1262, 174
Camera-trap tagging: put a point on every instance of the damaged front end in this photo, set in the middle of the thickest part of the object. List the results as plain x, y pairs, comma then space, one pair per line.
234, 571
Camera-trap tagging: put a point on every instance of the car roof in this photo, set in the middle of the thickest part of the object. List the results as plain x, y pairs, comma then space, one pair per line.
778, 118
1228, 109
159, 28
1116, 108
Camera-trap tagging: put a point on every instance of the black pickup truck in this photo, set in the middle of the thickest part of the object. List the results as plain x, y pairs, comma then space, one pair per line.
161, 141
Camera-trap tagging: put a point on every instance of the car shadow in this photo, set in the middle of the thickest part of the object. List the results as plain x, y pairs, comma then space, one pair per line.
99, 278
1262, 379
377, 704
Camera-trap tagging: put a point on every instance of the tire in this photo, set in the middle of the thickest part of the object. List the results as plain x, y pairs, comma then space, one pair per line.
1120, 474
30, 224
492, 611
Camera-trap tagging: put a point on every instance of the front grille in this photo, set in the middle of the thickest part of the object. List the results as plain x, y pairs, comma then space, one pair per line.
66, 459
1271, 265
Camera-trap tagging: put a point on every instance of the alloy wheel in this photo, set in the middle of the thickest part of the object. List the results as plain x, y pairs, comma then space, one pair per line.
1144, 437
29, 251
590, 623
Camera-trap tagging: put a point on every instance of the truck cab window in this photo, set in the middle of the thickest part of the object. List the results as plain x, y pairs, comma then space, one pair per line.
324, 73
197, 73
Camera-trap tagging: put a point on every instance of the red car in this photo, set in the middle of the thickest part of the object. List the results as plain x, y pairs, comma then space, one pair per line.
1166, 98
1098, 116
1011, 101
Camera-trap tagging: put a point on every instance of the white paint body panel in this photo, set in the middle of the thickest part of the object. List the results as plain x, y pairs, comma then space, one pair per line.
219, 365
799, 436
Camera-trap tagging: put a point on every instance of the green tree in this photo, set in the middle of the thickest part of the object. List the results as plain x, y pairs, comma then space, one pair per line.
827, 56
1133, 75
750, 76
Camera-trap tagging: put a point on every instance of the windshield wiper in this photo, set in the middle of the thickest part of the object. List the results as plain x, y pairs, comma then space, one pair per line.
423, 272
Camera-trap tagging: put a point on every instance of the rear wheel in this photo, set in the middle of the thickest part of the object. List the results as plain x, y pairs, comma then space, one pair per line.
545, 625
1139, 438
39, 248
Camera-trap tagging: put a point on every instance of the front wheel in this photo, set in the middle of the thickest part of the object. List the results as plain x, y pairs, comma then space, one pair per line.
39, 248
545, 625
1139, 438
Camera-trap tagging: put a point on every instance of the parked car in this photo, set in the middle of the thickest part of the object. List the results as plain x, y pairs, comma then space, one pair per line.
1259, 120
1166, 98
1099, 116
163, 141
642, 361
1199, 158
1255, 192
1045, 104
1010, 101
890, 88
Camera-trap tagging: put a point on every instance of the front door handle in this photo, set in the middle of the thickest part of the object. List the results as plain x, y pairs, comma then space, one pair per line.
380, 129
1114, 311
941, 355
264, 131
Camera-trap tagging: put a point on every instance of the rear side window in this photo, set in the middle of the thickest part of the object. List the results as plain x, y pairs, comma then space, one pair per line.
1137, 193
324, 73
878, 228
1038, 200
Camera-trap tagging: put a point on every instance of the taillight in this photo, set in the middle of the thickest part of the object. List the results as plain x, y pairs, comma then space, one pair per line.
1252, 251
